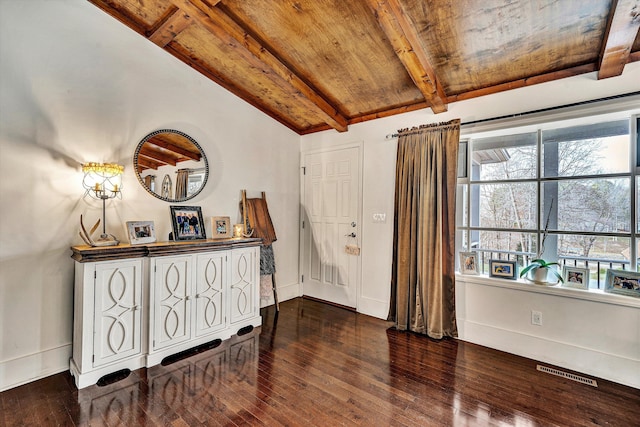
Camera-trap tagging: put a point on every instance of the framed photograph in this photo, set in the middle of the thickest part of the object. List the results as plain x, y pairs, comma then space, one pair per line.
221, 227
503, 269
469, 262
623, 282
141, 232
575, 277
187, 223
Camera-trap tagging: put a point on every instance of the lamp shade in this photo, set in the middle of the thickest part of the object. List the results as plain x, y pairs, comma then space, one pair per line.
102, 180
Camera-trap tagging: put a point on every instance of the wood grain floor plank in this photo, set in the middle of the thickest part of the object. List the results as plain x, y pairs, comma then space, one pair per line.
319, 365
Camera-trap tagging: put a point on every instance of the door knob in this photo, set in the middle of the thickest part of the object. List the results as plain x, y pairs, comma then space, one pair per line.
350, 235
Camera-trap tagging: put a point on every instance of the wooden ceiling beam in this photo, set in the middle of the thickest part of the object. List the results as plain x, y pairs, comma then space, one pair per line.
149, 153
173, 25
406, 43
158, 141
183, 55
257, 55
148, 163
622, 29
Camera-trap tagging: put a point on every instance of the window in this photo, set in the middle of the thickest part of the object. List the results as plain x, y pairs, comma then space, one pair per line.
577, 182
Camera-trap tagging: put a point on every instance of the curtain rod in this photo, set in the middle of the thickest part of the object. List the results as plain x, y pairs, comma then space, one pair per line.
191, 170
542, 110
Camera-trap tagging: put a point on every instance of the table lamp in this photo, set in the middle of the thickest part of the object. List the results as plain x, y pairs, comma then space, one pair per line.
101, 181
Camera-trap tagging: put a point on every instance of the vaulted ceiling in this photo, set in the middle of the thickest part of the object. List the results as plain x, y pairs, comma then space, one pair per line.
320, 64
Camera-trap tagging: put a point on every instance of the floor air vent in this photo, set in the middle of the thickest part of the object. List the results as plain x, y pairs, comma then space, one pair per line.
567, 375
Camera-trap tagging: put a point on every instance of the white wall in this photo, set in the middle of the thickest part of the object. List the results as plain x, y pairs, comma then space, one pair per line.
378, 194
588, 332
78, 86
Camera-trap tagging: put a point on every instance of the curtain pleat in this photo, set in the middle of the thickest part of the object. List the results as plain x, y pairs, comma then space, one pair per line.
423, 268
182, 182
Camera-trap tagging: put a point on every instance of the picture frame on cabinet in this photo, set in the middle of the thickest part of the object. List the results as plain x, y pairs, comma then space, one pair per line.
575, 277
221, 227
623, 282
141, 232
187, 223
469, 262
503, 269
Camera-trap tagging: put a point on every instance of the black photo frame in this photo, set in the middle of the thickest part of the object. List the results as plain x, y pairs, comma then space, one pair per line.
187, 223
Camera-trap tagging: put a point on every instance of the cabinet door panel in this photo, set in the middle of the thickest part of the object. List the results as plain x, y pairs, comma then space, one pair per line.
209, 292
244, 289
117, 311
171, 299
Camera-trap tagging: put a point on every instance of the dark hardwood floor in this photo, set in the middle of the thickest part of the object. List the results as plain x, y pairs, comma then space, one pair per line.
319, 365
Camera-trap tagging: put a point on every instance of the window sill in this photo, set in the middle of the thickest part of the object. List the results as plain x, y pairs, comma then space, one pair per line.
595, 295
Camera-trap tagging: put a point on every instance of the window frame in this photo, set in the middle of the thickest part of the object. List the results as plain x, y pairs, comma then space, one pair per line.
465, 230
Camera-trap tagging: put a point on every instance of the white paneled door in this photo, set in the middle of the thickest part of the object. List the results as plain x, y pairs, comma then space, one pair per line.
331, 225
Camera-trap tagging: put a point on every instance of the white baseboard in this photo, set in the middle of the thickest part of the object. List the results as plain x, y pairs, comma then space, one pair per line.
22, 370
373, 307
285, 293
588, 361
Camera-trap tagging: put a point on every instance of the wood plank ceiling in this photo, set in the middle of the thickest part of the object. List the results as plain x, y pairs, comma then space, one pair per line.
321, 64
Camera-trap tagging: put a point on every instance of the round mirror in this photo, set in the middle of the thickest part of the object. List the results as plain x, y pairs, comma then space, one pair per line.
171, 165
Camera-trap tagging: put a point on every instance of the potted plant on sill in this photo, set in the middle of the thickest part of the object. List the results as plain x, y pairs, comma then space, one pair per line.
539, 267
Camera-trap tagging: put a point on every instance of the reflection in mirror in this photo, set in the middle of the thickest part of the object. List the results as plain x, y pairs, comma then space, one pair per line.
171, 165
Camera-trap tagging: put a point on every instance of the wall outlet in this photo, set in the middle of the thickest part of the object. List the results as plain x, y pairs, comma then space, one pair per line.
536, 318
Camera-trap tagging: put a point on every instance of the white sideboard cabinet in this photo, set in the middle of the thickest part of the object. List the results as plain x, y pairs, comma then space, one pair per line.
136, 305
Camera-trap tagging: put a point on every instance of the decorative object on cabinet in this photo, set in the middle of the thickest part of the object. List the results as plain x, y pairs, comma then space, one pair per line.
101, 181
141, 232
623, 282
220, 227
255, 217
238, 230
575, 277
503, 269
138, 306
469, 262
168, 152
187, 223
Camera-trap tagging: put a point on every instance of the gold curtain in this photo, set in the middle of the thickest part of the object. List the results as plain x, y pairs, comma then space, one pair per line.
423, 268
182, 182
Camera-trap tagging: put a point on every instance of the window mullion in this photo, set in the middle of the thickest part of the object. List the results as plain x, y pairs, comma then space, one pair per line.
634, 140
539, 191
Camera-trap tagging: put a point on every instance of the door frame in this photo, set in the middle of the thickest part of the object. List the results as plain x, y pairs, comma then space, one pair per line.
359, 229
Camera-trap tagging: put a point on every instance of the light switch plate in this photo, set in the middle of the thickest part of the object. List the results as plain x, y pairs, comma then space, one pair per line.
379, 217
